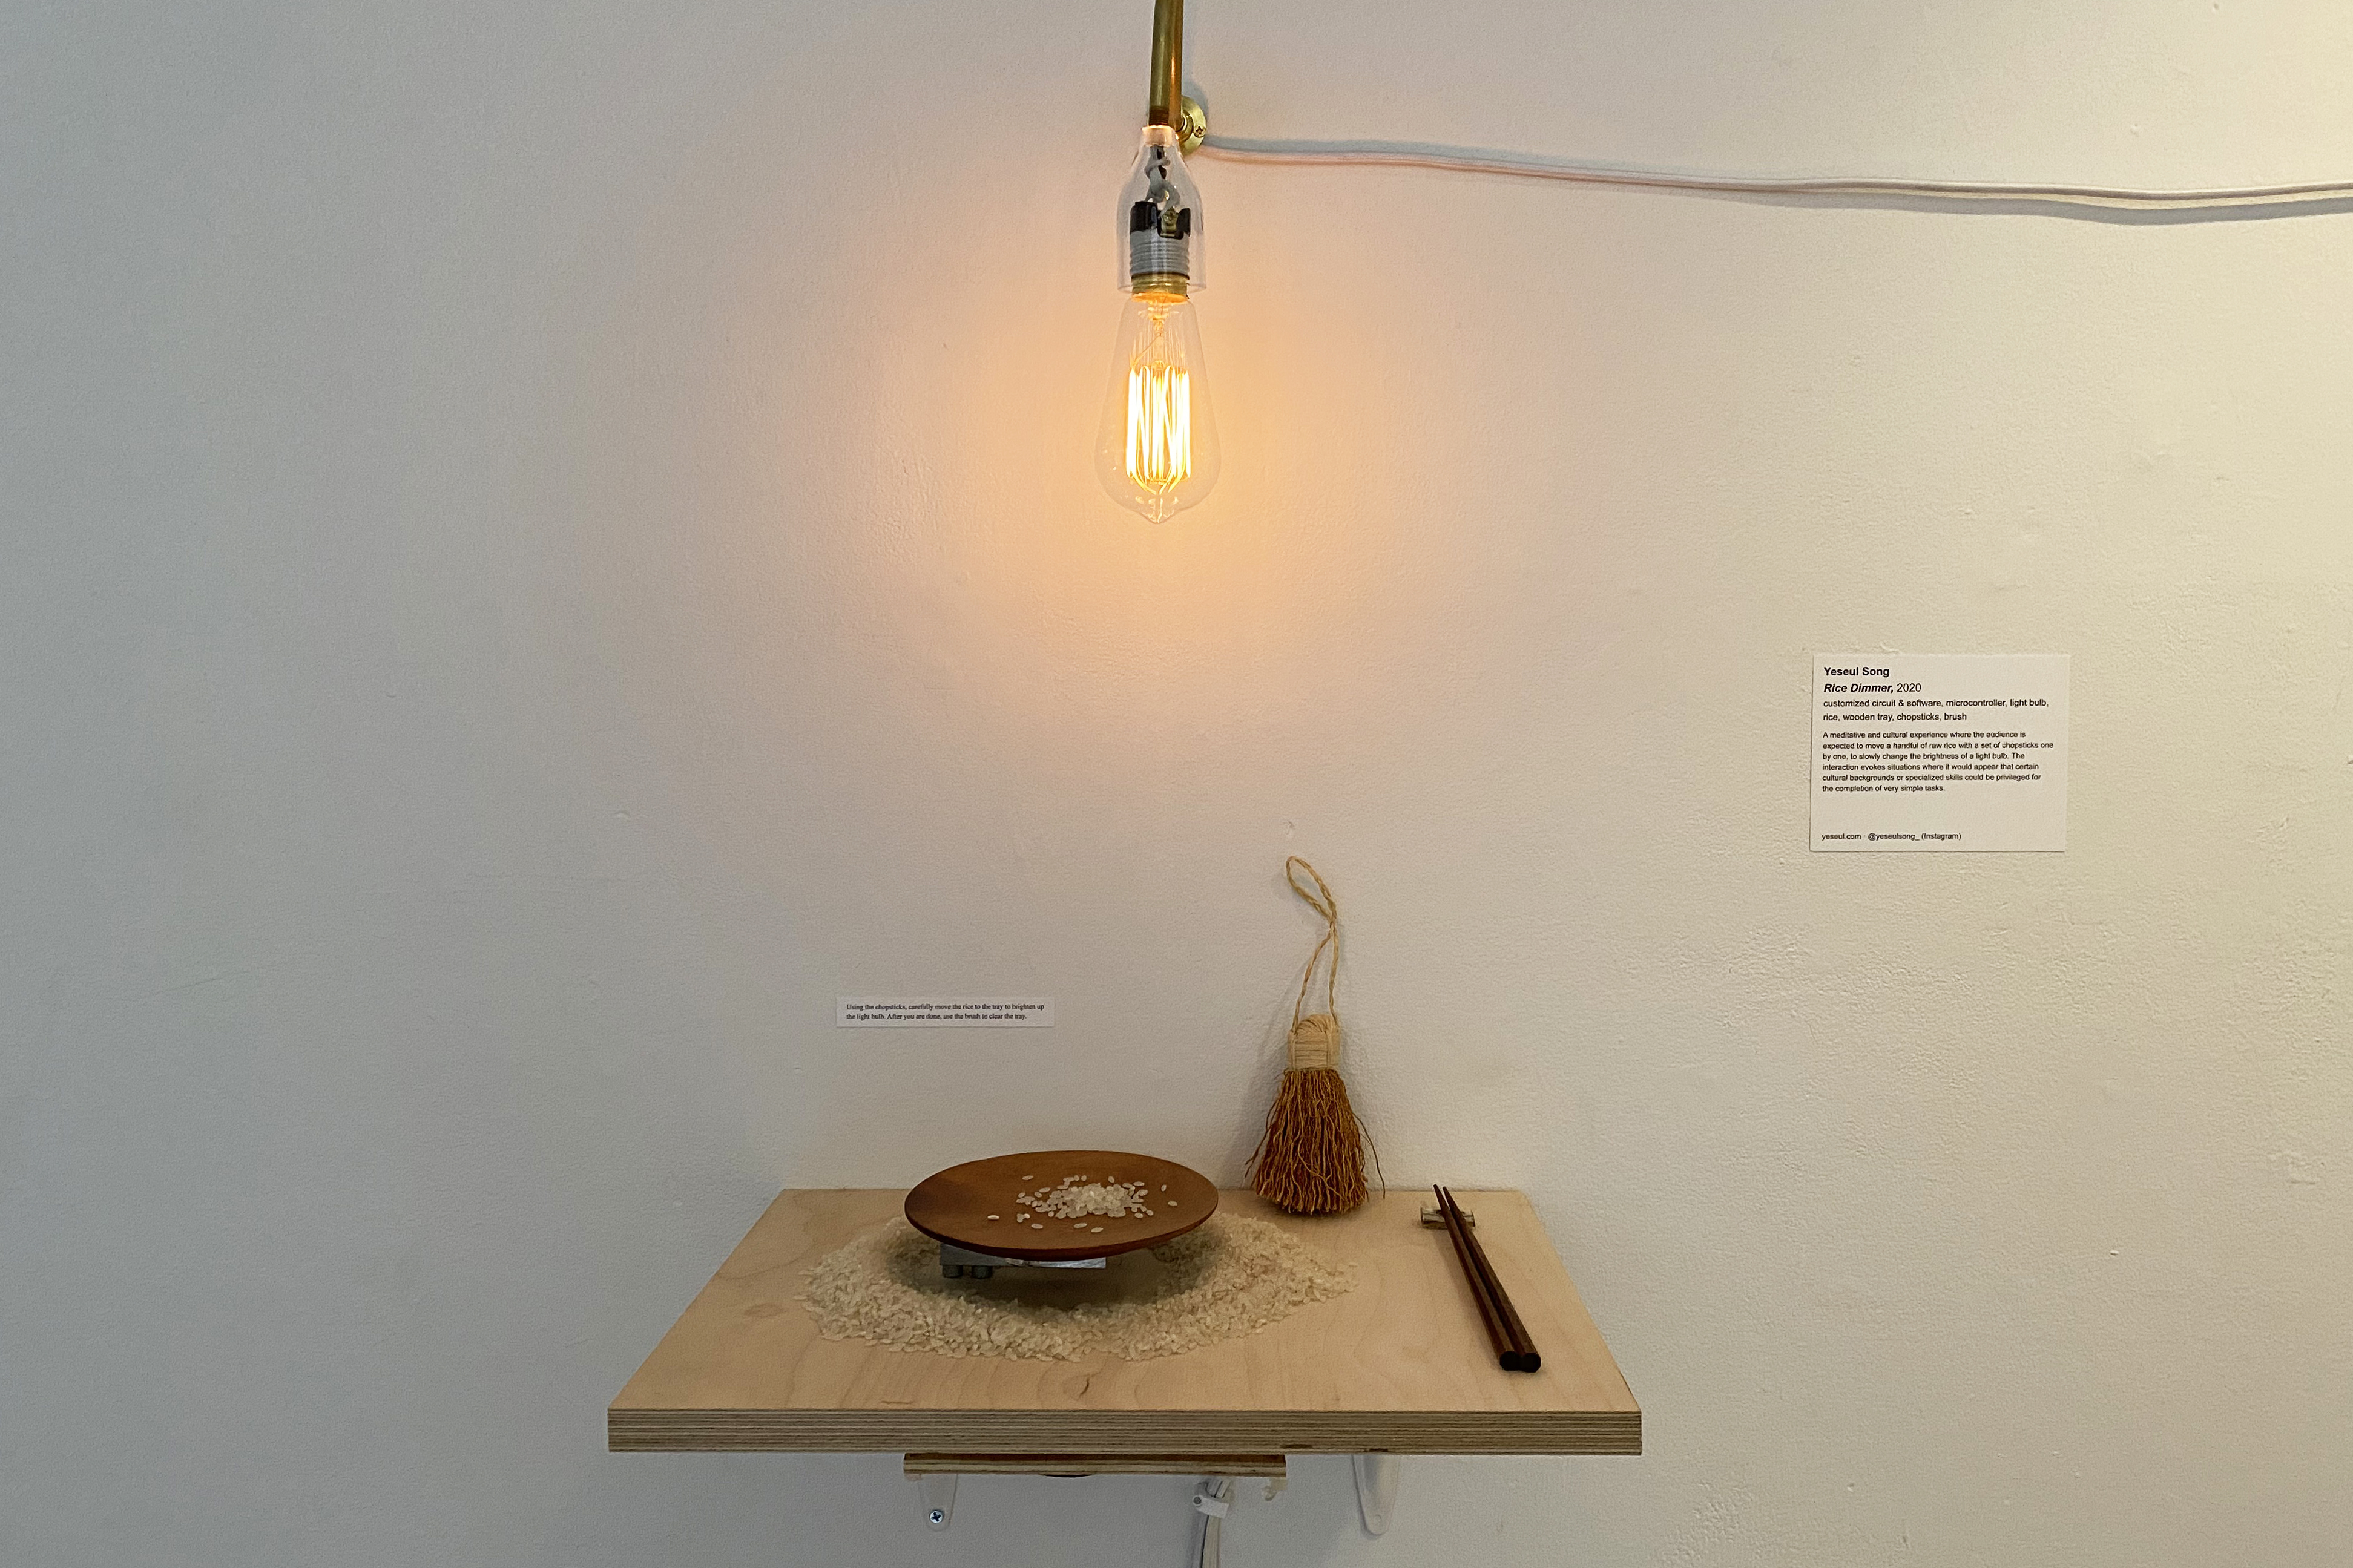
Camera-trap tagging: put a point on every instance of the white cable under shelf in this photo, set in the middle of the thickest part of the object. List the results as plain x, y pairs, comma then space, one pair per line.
1532, 166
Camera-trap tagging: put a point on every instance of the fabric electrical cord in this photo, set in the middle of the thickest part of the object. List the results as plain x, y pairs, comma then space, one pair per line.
1532, 166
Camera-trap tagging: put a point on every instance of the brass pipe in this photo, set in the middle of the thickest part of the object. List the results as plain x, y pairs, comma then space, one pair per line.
1167, 63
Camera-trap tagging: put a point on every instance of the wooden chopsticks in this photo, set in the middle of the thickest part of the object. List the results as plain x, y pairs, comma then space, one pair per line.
1514, 1350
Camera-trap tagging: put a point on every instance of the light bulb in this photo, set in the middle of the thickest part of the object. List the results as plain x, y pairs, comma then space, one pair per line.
1156, 446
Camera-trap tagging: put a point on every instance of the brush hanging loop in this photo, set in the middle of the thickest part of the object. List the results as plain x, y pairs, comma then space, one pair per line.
1322, 901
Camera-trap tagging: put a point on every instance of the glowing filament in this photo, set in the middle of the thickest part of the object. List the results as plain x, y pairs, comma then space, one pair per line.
1159, 425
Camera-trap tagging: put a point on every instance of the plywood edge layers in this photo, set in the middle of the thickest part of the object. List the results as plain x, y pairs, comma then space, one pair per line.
1113, 1432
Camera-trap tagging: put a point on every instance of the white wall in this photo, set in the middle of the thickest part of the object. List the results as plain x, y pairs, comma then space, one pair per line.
546, 541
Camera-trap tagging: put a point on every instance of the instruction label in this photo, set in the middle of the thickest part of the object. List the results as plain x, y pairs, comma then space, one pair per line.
943, 1012
1940, 750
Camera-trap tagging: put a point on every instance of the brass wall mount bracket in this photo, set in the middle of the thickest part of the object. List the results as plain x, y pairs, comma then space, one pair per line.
1192, 123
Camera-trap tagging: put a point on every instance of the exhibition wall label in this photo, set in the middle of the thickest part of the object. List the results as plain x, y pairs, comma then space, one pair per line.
1940, 750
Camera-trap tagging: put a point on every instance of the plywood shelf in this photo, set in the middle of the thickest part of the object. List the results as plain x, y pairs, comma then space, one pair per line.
1397, 1365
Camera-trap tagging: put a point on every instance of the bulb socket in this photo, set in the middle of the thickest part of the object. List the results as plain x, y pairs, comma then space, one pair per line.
1159, 222
1153, 252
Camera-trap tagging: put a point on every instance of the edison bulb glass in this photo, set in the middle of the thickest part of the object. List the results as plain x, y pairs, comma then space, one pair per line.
1156, 447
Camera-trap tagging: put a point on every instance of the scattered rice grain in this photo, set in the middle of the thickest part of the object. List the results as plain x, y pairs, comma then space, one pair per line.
1232, 1277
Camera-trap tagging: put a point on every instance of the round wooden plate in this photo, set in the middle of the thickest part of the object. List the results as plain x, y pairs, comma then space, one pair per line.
954, 1206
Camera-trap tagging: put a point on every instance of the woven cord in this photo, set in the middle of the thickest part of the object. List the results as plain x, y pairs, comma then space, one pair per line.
1322, 901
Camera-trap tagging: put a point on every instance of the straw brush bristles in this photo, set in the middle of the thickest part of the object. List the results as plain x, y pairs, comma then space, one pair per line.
1312, 1157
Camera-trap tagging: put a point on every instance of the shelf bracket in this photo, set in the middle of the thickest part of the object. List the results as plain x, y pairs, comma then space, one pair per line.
1376, 1490
938, 1494
934, 1475
1375, 1474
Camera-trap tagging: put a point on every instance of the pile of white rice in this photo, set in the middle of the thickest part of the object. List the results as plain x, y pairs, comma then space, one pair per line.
1231, 1277
1078, 1198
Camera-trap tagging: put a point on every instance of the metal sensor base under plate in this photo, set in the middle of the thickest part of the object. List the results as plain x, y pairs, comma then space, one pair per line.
957, 1262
